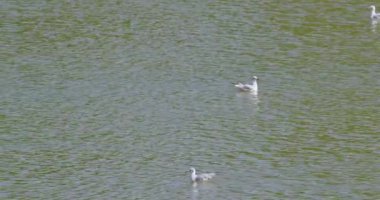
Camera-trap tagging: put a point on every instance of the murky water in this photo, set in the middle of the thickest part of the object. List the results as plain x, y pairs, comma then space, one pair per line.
117, 99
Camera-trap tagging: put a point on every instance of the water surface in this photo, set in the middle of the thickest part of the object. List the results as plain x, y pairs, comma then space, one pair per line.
117, 99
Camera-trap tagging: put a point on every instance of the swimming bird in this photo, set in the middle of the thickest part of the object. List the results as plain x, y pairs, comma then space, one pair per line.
200, 177
374, 15
248, 87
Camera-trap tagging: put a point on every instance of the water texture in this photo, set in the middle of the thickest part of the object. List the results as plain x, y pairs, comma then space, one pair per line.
117, 99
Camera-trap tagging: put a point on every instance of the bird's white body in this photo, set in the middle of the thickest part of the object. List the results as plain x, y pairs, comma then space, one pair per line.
200, 177
253, 88
374, 15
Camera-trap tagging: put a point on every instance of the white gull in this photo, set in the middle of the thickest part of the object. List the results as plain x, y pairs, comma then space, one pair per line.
248, 87
200, 177
374, 15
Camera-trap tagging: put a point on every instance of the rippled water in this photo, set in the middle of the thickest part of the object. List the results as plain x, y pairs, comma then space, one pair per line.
117, 99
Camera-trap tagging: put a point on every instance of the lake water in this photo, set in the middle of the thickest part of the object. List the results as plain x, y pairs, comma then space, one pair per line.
118, 99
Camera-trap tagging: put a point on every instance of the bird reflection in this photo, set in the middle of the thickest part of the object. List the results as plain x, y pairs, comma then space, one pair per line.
250, 97
199, 191
374, 23
194, 192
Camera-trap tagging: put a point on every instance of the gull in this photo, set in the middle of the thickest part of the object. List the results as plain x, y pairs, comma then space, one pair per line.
200, 177
374, 15
248, 87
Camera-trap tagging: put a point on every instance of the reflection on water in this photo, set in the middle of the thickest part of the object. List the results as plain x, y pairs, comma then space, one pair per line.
105, 99
248, 97
248, 101
374, 25
194, 192
204, 190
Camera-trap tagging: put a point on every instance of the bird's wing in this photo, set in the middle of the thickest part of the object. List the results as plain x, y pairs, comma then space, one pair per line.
243, 86
239, 85
247, 87
206, 177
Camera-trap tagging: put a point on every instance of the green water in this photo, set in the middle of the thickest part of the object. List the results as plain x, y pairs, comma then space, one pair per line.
117, 99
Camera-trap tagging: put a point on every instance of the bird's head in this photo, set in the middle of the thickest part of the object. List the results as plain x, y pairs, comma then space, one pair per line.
192, 169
